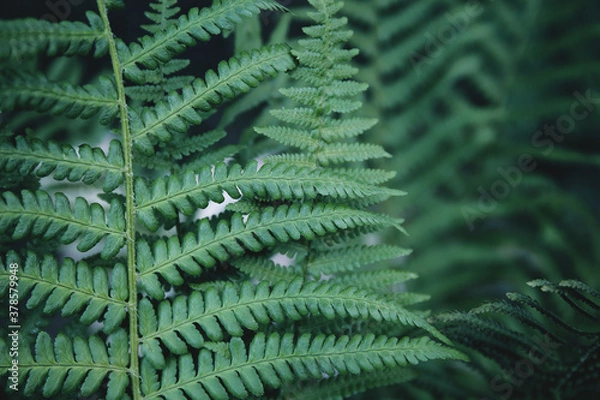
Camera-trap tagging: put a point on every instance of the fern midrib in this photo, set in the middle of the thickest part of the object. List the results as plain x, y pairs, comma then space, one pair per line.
374, 303
129, 202
203, 94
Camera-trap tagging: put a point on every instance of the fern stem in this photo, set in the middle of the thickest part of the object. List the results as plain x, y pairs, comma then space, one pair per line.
129, 203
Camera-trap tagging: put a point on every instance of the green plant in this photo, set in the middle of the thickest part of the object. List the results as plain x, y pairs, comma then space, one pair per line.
467, 88
464, 88
524, 348
186, 307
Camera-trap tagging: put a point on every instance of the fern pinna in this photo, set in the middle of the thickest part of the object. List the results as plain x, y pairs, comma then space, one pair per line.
158, 300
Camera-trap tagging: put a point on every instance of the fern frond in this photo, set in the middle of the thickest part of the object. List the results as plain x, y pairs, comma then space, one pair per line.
563, 348
291, 137
520, 300
210, 158
264, 269
26, 37
212, 314
340, 152
179, 34
380, 281
183, 146
164, 10
324, 66
262, 229
76, 365
186, 193
156, 76
192, 144
275, 360
353, 257
36, 92
37, 215
372, 176
156, 93
64, 162
569, 290
179, 112
299, 160
73, 288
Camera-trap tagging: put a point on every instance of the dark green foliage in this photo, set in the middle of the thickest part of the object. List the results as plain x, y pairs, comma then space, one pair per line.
27, 37
36, 214
37, 93
64, 162
464, 92
554, 348
161, 298
193, 206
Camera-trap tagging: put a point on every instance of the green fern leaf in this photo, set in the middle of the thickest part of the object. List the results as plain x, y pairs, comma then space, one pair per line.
45, 158
194, 144
27, 37
73, 288
156, 93
179, 112
291, 137
212, 313
324, 65
260, 230
186, 193
74, 365
37, 215
183, 32
264, 269
208, 159
275, 360
351, 258
164, 11
156, 76
372, 176
34, 91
